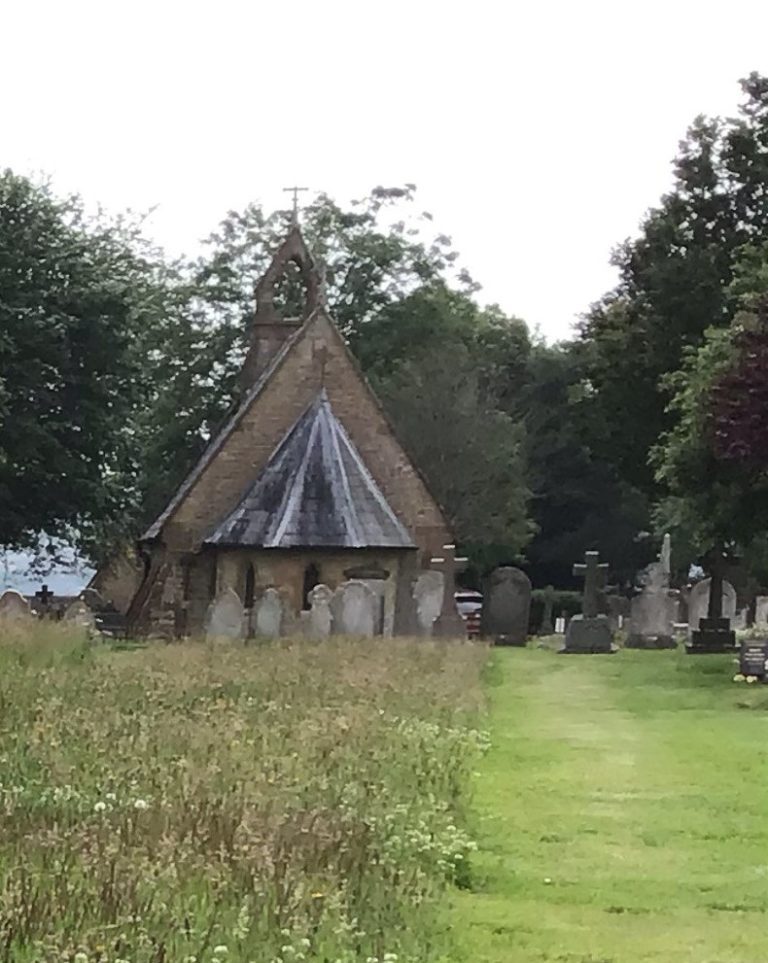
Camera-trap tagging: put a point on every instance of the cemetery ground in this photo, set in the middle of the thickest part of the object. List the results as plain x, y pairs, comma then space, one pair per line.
621, 813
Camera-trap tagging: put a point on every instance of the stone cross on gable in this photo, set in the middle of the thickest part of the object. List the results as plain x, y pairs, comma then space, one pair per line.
594, 572
449, 623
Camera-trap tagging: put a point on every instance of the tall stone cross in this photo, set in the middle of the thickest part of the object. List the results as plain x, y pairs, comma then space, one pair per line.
449, 624
594, 572
716, 562
295, 191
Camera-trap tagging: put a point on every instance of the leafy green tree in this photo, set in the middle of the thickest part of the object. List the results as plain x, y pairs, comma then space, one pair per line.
77, 296
579, 502
714, 461
674, 280
471, 453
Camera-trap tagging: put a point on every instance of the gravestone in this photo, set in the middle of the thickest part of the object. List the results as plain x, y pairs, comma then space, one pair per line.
406, 617
590, 632
711, 606
14, 607
753, 658
354, 609
652, 613
761, 612
740, 621
224, 619
618, 611
507, 606
560, 622
547, 627
449, 624
80, 614
320, 615
428, 595
268, 615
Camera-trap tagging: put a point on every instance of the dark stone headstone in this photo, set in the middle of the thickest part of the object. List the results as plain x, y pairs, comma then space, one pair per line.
507, 606
714, 633
753, 658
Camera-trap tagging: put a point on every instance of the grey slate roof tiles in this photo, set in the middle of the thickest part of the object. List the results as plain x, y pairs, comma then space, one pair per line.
315, 492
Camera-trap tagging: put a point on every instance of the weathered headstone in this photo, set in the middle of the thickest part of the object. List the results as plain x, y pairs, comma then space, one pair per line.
406, 618
547, 626
80, 614
761, 612
618, 611
14, 607
320, 615
449, 623
753, 658
710, 627
268, 614
224, 619
507, 606
354, 609
428, 595
590, 632
560, 625
652, 613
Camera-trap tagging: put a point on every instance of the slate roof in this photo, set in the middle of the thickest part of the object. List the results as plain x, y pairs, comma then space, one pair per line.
315, 492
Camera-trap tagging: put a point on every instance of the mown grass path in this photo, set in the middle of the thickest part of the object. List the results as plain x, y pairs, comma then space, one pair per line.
623, 813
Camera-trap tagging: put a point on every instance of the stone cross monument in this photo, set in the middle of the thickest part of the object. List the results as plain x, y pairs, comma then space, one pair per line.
449, 624
590, 633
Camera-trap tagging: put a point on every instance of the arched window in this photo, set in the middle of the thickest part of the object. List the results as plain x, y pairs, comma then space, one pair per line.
250, 587
311, 579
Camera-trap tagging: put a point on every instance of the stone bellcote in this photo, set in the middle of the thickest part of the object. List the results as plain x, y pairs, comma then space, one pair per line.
269, 329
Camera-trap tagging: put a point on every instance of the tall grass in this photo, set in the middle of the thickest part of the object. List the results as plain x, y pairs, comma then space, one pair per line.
196, 802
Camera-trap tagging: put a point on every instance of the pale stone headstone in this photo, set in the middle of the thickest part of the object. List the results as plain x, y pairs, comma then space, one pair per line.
698, 603
761, 612
14, 607
428, 595
652, 613
224, 619
507, 606
560, 625
354, 609
320, 615
740, 620
268, 616
78, 613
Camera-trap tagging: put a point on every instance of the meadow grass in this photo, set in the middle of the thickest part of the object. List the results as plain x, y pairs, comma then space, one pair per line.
622, 813
199, 802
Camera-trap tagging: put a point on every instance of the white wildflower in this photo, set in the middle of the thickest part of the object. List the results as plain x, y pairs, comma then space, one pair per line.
100, 807
141, 804
220, 950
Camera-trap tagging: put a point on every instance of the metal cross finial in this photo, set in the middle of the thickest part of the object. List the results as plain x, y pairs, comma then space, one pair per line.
295, 191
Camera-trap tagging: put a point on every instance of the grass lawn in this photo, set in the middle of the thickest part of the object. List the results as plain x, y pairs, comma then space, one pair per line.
623, 813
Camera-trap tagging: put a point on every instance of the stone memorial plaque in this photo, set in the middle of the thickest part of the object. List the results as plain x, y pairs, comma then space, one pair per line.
753, 658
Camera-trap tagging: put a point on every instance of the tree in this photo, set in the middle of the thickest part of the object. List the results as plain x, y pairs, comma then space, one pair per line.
470, 452
579, 502
714, 461
77, 296
674, 280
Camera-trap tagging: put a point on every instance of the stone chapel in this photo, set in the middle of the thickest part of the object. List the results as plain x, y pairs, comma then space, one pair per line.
304, 484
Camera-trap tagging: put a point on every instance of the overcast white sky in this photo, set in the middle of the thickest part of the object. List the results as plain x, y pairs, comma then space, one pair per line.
537, 133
